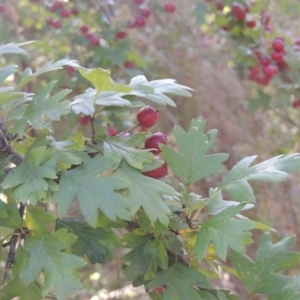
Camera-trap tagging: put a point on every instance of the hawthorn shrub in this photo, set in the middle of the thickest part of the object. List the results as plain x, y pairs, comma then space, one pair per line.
177, 240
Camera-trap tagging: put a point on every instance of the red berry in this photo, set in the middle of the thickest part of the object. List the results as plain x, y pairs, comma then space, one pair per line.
146, 12
152, 142
140, 22
121, 35
128, 64
84, 120
219, 5
49, 21
277, 56
70, 70
238, 11
84, 29
159, 172
251, 24
169, 7
268, 71
265, 18
65, 13
254, 70
296, 103
2, 8
158, 290
74, 11
147, 116
278, 45
94, 40
297, 42
264, 61
112, 131
64, 86
226, 28
56, 24
138, 1
132, 23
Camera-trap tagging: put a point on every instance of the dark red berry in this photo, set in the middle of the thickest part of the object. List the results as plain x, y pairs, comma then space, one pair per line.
112, 131
70, 70
238, 11
147, 116
169, 7
49, 21
152, 142
268, 71
159, 289
251, 24
84, 29
56, 24
296, 103
277, 56
159, 172
2, 8
138, 1
146, 12
278, 45
264, 61
128, 64
121, 35
140, 22
219, 5
94, 40
74, 11
65, 13
84, 120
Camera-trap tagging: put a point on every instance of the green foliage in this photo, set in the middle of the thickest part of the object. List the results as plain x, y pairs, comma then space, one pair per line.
177, 239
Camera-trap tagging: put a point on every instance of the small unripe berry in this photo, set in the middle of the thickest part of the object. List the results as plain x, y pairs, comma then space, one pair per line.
170, 7
152, 142
159, 172
147, 116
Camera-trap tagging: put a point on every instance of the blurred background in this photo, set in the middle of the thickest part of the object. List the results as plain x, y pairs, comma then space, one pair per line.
220, 51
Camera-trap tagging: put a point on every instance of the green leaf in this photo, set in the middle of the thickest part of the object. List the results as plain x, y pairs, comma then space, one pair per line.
18, 288
180, 281
224, 232
155, 90
286, 295
13, 48
42, 107
116, 147
147, 193
193, 165
29, 180
274, 169
48, 67
93, 192
148, 253
84, 103
6, 72
102, 81
241, 191
36, 218
58, 267
258, 275
12, 218
200, 12
88, 239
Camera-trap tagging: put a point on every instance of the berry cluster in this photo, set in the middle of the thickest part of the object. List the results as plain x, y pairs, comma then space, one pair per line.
268, 65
